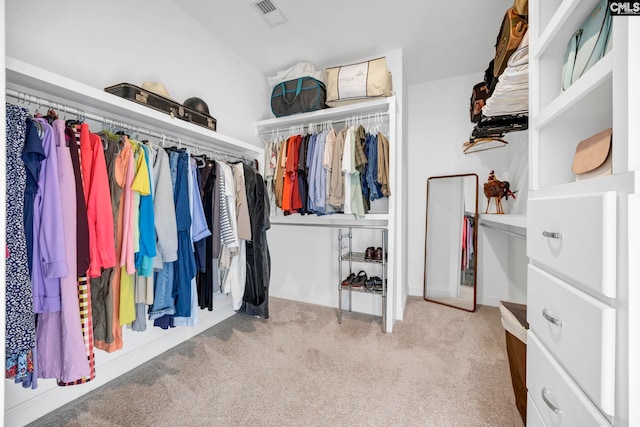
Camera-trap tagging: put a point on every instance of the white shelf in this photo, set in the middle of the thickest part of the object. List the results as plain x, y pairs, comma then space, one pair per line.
519, 221
626, 182
568, 17
597, 79
32, 80
336, 113
334, 220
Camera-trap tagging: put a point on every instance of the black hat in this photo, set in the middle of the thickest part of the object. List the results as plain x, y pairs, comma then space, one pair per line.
197, 104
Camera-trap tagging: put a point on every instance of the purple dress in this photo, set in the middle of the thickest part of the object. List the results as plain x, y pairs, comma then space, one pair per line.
61, 349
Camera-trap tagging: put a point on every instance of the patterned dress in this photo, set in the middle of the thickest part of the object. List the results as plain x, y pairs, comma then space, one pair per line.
20, 325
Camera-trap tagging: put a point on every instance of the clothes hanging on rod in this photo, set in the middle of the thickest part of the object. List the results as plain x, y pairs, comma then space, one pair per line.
121, 231
327, 171
368, 120
468, 249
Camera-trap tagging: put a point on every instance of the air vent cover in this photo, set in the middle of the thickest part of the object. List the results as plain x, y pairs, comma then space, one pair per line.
269, 12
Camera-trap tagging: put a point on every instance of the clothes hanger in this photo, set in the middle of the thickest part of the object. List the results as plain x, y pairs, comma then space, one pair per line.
476, 145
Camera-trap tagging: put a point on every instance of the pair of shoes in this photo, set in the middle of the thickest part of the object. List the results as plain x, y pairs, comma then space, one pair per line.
348, 280
369, 253
374, 284
377, 254
360, 280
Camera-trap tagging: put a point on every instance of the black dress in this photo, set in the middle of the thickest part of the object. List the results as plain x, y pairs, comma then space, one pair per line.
256, 292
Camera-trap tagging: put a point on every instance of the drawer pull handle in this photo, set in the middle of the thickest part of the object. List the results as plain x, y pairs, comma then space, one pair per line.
545, 397
550, 318
552, 234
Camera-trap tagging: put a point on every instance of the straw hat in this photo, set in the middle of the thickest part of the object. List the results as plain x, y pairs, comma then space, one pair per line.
157, 88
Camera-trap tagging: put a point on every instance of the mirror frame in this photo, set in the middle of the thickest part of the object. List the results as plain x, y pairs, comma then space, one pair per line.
475, 243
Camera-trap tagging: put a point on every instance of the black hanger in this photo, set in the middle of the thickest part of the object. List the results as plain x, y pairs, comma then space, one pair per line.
72, 122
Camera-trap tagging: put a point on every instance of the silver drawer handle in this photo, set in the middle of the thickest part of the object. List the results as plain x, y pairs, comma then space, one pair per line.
550, 318
545, 397
552, 234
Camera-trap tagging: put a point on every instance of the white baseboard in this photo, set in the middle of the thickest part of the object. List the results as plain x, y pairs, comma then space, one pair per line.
490, 300
362, 303
23, 406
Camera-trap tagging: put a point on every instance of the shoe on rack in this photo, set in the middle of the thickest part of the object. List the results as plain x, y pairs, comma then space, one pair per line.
369, 253
348, 280
359, 280
375, 284
377, 254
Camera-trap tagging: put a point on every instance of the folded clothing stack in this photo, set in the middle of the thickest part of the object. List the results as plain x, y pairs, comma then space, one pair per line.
511, 94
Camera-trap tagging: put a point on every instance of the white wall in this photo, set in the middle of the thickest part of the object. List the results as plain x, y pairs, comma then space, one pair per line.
110, 42
438, 125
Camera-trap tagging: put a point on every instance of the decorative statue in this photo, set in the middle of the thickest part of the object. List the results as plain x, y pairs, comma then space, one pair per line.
495, 189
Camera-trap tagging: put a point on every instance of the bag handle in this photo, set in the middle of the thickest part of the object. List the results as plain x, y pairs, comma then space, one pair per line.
298, 89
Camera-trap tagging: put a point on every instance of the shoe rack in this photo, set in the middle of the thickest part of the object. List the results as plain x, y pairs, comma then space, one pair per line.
350, 280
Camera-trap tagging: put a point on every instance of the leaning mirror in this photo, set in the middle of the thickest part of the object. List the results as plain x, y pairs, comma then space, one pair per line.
451, 240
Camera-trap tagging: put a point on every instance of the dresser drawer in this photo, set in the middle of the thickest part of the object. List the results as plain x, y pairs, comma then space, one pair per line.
578, 330
576, 237
557, 398
534, 419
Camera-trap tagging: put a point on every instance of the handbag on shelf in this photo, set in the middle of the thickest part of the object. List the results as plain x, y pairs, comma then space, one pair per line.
357, 82
587, 45
479, 96
593, 156
300, 95
512, 31
521, 7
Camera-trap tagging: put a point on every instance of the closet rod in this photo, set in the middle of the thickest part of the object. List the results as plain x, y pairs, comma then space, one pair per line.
502, 230
43, 102
336, 225
319, 122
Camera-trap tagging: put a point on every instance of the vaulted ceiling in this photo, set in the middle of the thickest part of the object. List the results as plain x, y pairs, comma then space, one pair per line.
439, 38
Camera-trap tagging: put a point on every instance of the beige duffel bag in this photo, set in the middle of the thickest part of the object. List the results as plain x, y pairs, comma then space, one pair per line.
358, 82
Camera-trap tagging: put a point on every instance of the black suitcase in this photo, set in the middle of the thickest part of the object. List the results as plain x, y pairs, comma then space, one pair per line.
160, 103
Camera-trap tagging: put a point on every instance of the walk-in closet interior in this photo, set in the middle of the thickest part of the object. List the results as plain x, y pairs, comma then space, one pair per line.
497, 168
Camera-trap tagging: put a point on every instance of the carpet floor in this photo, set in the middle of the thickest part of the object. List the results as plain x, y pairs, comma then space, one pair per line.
440, 367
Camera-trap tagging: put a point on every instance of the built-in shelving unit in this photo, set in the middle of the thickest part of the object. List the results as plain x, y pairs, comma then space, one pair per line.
578, 233
384, 213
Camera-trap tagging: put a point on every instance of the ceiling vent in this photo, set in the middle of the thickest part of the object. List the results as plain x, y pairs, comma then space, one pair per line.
269, 12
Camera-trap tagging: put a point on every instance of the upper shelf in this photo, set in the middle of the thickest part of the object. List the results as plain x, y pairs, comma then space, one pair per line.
35, 81
568, 16
337, 113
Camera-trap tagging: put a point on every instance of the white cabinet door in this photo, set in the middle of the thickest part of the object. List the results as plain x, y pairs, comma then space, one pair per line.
578, 330
576, 237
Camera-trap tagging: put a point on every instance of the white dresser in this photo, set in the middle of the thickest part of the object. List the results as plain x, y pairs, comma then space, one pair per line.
583, 346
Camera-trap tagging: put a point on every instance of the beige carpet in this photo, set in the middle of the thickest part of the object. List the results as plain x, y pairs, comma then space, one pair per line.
440, 367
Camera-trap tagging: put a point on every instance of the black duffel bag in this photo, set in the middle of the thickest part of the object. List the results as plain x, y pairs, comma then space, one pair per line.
298, 96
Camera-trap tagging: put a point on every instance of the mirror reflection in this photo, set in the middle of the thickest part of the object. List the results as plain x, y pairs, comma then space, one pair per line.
451, 241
